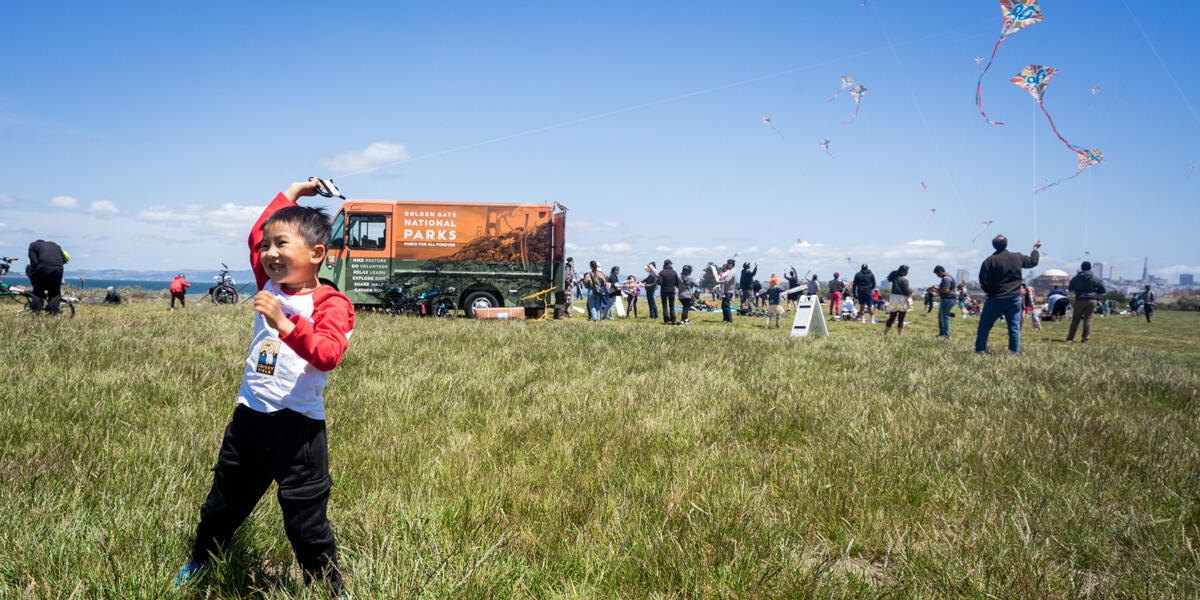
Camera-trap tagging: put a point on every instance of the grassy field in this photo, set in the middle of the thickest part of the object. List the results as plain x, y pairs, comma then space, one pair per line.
621, 460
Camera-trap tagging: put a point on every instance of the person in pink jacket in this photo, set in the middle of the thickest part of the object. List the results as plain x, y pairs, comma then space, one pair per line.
178, 285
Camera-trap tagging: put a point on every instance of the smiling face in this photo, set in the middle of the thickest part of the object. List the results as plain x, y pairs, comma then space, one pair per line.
288, 259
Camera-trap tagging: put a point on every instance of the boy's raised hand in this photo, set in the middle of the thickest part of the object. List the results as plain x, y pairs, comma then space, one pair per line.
301, 188
267, 305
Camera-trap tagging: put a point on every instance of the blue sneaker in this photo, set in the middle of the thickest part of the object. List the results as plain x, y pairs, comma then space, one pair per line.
187, 573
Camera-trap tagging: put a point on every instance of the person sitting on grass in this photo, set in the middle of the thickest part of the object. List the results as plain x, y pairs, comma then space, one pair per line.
847, 309
277, 431
112, 297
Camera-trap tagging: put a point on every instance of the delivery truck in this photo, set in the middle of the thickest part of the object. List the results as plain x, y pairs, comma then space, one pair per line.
493, 255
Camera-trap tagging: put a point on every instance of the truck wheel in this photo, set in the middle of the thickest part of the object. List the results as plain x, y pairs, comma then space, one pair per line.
479, 299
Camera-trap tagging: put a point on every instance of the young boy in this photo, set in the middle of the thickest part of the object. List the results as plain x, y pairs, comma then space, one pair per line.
277, 432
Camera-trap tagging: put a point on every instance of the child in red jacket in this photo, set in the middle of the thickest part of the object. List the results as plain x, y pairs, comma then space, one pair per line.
277, 432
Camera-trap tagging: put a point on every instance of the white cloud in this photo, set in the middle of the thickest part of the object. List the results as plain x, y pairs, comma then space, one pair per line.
774, 252
3, 226
103, 207
228, 219
374, 156
1172, 271
616, 247
5, 199
570, 246
592, 226
662, 249
64, 202
927, 243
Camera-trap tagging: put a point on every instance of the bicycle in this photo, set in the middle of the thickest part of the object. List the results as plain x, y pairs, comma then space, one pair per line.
26, 300
437, 303
224, 291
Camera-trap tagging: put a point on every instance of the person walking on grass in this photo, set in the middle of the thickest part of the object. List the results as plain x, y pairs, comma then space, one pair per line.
1147, 301
946, 298
178, 289
774, 296
595, 284
277, 432
1088, 288
668, 283
900, 301
835, 294
864, 284
651, 284
1000, 279
571, 277
1028, 309
687, 292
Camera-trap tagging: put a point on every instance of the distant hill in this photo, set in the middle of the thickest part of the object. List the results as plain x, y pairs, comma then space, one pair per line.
127, 275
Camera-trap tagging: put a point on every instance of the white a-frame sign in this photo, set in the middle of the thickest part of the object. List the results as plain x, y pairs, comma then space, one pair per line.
809, 318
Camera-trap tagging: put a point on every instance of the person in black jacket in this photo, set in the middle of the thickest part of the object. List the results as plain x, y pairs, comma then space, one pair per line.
668, 282
901, 299
651, 284
1148, 303
746, 282
793, 282
45, 272
864, 284
1088, 289
1000, 279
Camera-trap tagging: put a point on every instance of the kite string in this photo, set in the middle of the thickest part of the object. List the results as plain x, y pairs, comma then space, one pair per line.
634, 107
1033, 151
1161, 62
912, 94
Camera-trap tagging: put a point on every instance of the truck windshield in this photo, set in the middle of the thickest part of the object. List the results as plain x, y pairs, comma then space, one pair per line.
368, 232
335, 241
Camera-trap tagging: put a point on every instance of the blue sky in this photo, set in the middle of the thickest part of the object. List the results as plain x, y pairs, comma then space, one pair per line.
149, 136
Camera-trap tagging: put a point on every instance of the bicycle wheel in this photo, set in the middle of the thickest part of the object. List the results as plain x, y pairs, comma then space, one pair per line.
225, 295
406, 308
25, 301
446, 309
66, 310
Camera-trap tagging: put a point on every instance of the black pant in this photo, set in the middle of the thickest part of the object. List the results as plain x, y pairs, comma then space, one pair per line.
1149, 310
668, 303
47, 287
178, 295
286, 447
726, 313
687, 305
650, 301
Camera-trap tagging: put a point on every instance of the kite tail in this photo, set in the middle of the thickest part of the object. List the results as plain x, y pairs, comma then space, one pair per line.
1048, 186
835, 95
979, 84
853, 116
1055, 130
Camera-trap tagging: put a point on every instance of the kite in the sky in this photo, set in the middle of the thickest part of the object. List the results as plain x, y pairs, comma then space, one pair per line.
978, 60
825, 144
767, 121
985, 226
1034, 79
858, 92
1191, 169
924, 187
847, 81
1095, 90
932, 212
1017, 14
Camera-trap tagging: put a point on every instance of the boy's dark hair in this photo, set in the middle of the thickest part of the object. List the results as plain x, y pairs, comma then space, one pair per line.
311, 221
